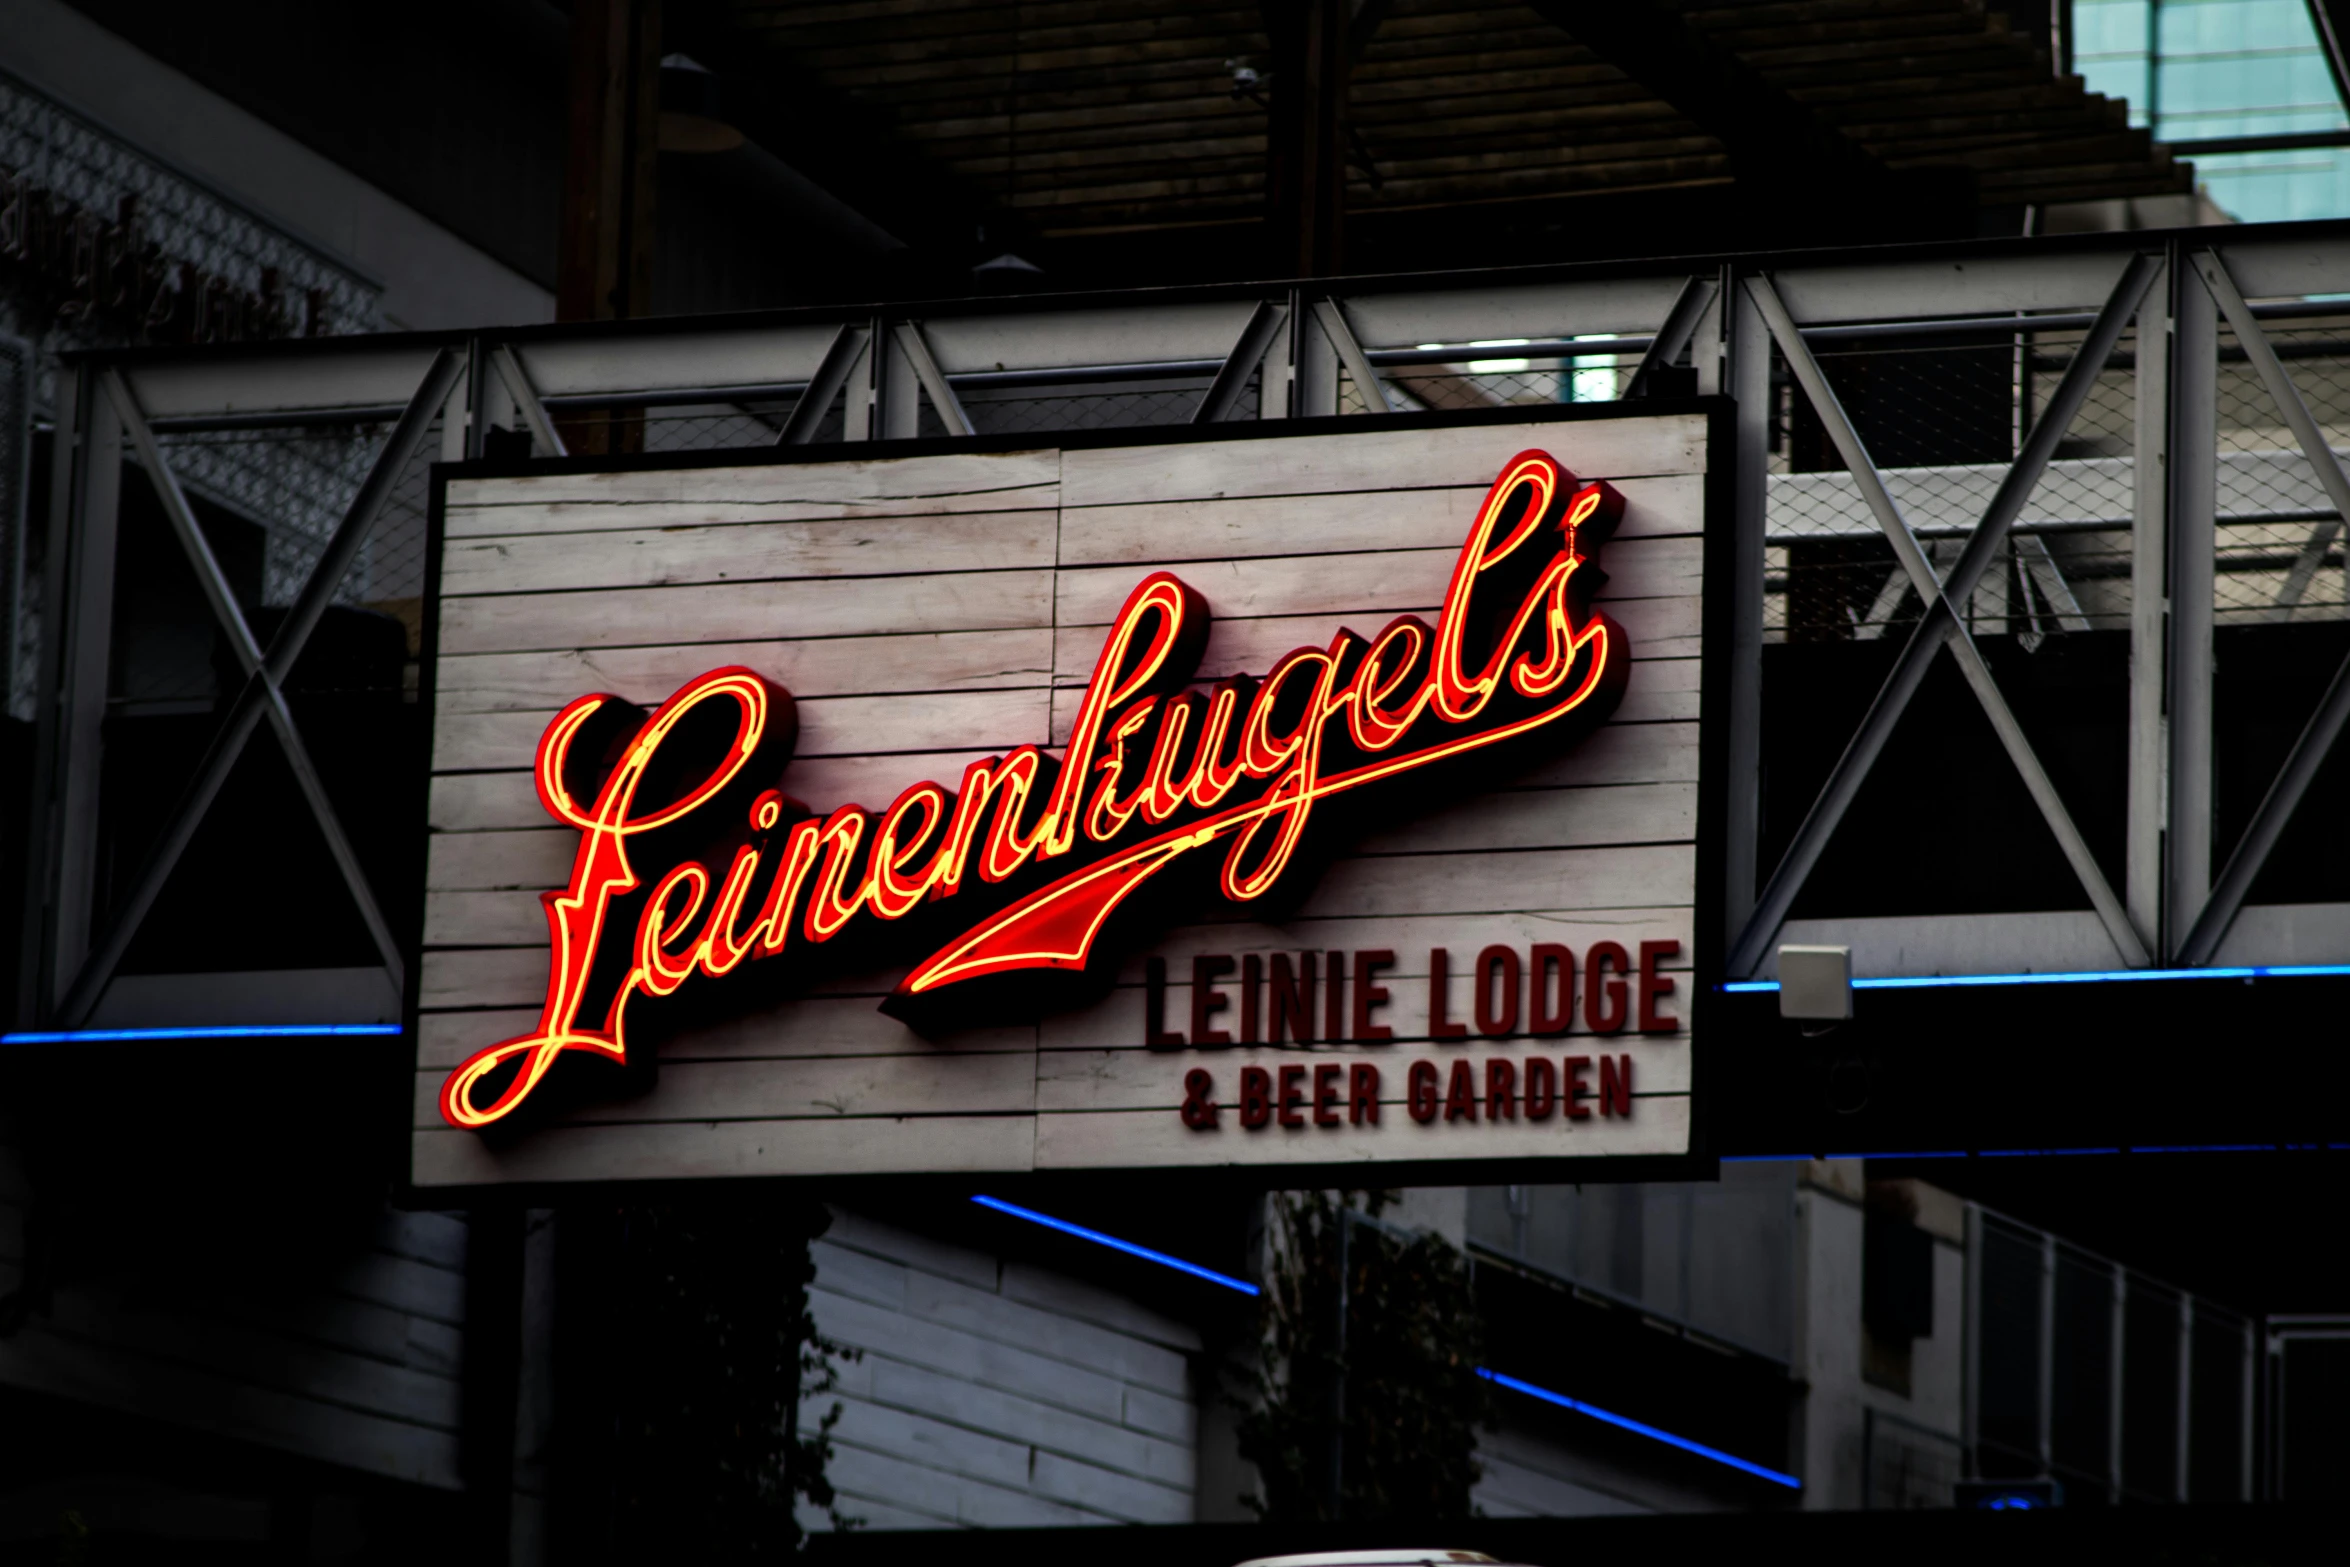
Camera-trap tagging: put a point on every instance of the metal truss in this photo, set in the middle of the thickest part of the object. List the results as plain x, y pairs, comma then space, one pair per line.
1735, 323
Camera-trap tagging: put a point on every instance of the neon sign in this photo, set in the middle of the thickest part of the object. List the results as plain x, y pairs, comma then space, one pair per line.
699, 885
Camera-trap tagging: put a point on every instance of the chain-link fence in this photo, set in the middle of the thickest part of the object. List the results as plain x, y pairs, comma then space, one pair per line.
1942, 418
2279, 546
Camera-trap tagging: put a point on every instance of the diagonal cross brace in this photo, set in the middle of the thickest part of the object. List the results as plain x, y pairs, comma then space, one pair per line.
2325, 726
1942, 623
265, 672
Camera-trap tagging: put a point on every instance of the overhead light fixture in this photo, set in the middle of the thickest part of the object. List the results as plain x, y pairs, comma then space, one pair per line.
691, 109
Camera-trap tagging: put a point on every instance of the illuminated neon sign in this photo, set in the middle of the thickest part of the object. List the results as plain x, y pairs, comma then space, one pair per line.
698, 885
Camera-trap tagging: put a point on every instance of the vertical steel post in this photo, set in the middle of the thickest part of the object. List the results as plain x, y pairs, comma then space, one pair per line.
2186, 1396
899, 417
1970, 1344
2194, 489
2149, 759
2047, 1388
33, 989
83, 637
1738, 365
1277, 374
1317, 368
2113, 1384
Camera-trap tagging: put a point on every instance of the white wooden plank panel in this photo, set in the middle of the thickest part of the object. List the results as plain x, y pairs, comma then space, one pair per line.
714, 1150
1621, 876
1293, 554
1133, 1078
540, 858
513, 980
886, 486
829, 726
812, 1026
505, 797
1657, 629
1030, 1363
1618, 754
548, 681
44, 1360
822, 1087
1381, 582
988, 1314
1152, 534
1391, 460
746, 611
257, 1358
1135, 1138
672, 556
1164, 1459
960, 1500
1032, 1468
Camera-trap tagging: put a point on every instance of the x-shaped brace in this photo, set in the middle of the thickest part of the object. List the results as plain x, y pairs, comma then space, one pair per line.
263, 695
1943, 623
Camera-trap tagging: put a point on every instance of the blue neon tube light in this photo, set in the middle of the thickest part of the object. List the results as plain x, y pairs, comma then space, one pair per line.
1745, 987
223, 1031
1115, 1244
1609, 1417
1639, 1428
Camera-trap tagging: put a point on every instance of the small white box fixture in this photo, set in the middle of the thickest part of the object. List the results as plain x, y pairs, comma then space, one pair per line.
1815, 982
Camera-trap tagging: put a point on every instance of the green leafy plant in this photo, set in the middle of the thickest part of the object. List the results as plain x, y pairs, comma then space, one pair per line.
1364, 1402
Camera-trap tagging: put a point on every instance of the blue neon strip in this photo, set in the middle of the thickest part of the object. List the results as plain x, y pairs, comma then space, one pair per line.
1747, 987
1639, 1428
1115, 1244
1244, 1287
241, 1031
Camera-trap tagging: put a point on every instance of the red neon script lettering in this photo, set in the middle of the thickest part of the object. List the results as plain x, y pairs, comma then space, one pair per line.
1166, 799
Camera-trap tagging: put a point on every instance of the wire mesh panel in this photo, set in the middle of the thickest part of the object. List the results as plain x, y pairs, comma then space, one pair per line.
1942, 417
2279, 542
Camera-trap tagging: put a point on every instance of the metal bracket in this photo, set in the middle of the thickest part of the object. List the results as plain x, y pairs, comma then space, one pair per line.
1944, 623
1263, 329
1680, 324
263, 695
916, 348
832, 373
1350, 354
526, 399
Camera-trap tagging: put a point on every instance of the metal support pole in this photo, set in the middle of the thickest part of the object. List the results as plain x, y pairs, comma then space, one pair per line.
2149, 758
2194, 494
1317, 367
1264, 326
898, 394
842, 357
85, 633
2185, 1427
915, 348
1342, 337
1734, 359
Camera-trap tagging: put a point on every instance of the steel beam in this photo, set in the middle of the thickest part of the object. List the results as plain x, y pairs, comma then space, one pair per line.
1734, 360
1671, 337
1368, 386
832, 373
1935, 629
2194, 499
526, 399
2148, 785
1232, 378
916, 349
